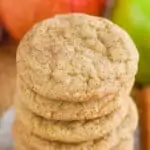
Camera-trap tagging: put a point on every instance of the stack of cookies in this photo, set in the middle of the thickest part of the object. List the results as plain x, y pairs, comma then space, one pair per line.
74, 77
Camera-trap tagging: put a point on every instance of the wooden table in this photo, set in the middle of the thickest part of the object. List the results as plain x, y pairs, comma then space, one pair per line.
143, 99
7, 74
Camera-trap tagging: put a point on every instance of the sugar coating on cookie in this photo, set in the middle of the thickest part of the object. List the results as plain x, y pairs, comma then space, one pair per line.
76, 57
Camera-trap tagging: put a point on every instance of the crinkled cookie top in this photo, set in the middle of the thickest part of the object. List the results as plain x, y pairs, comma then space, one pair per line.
76, 57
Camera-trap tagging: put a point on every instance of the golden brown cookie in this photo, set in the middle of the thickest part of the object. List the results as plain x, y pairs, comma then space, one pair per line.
123, 132
31, 142
124, 145
71, 131
77, 57
63, 110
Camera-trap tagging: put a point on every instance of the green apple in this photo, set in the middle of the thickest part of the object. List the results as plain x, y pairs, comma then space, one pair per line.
134, 17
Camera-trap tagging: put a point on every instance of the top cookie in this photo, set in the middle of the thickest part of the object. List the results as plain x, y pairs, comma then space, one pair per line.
76, 57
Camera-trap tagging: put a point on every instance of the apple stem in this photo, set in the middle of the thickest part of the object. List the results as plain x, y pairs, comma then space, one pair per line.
110, 4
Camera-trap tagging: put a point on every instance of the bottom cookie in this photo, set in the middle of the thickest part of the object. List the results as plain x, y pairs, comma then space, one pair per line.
72, 131
127, 144
123, 132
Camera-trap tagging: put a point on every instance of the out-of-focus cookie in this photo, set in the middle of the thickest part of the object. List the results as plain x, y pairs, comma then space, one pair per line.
127, 144
71, 131
76, 57
108, 141
32, 142
63, 110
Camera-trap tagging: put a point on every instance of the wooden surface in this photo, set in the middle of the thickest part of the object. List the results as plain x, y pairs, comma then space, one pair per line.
144, 103
7, 74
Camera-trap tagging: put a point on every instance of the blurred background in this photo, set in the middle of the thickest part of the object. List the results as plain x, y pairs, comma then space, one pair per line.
18, 16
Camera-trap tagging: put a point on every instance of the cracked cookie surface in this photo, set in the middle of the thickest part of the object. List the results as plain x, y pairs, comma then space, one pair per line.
63, 110
76, 57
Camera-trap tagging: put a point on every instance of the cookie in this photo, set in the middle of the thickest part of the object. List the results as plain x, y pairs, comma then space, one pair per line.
124, 145
29, 143
22, 146
62, 110
122, 132
127, 144
76, 57
71, 131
